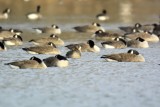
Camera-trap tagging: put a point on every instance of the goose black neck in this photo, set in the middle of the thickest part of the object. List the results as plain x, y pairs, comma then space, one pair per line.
38, 8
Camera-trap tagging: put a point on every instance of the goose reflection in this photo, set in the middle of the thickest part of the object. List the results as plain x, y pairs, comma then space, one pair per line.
126, 12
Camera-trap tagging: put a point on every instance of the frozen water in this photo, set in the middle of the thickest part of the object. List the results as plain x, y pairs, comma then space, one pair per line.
89, 81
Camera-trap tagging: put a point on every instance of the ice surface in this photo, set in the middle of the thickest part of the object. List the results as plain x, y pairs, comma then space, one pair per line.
87, 82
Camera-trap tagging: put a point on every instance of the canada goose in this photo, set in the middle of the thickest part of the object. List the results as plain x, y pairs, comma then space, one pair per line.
85, 47
52, 38
101, 35
44, 49
139, 27
5, 14
1, 28
35, 15
130, 56
138, 43
75, 53
16, 31
116, 43
33, 62
9, 33
146, 27
54, 29
129, 29
15, 40
2, 47
89, 28
102, 16
57, 61
156, 29
150, 37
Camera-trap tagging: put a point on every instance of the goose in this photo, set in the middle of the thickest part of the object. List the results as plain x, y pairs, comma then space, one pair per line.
85, 47
1, 28
57, 61
148, 36
138, 43
102, 16
156, 29
5, 14
52, 38
139, 27
35, 15
15, 40
33, 62
116, 43
101, 35
7, 33
44, 49
2, 47
75, 53
54, 29
130, 56
89, 28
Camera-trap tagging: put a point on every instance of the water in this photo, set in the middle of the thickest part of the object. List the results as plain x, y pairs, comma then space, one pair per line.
88, 81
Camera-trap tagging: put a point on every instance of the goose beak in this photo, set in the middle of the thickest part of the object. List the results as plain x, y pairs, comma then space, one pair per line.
104, 56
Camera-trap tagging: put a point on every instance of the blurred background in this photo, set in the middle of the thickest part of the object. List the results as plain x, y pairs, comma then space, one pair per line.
70, 13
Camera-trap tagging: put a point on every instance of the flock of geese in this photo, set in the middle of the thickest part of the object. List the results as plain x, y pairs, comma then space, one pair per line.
136, 36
